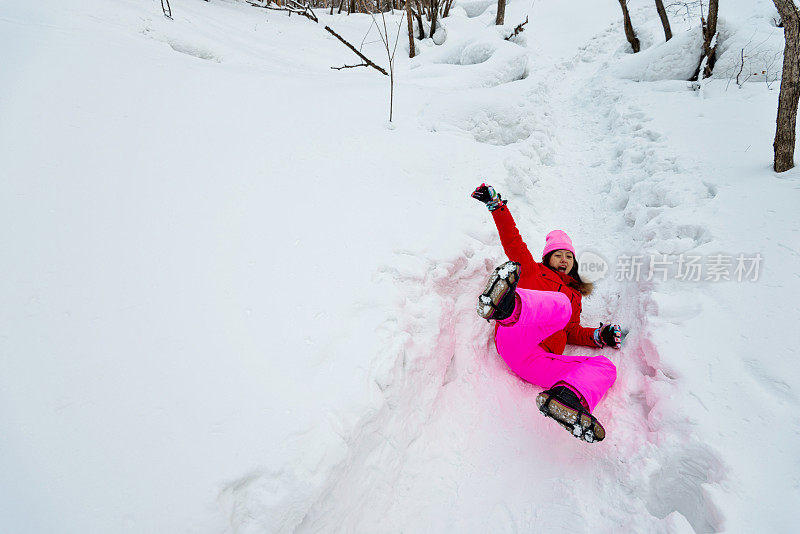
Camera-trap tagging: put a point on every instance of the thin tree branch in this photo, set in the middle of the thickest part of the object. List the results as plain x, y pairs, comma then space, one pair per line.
359, 54
351, 66
741, 68
397, 38
518, 30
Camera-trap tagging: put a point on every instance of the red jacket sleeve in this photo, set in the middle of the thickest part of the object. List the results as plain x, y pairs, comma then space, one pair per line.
513, 245
577, 334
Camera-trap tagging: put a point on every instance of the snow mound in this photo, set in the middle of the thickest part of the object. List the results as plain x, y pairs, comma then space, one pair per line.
440, 35
489, 59
676, 59
475, 53
489, 64
476, 8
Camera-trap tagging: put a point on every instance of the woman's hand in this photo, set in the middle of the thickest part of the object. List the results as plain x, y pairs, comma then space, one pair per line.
608, 335
486, 194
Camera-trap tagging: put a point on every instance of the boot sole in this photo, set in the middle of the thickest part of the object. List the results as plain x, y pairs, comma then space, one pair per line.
503, 279
582, 425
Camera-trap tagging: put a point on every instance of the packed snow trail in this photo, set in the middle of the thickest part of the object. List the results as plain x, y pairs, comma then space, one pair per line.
585, 156
456, 427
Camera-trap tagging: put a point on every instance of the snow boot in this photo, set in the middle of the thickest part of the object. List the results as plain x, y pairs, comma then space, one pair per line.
563, 405
497, 300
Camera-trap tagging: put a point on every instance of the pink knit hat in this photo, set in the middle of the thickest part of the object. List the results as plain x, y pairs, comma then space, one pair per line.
557, 240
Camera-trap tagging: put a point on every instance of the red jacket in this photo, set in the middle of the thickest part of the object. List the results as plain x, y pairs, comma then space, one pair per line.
536, 275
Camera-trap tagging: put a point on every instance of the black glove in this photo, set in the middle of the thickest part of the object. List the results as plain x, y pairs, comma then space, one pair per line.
608, 335
490, 197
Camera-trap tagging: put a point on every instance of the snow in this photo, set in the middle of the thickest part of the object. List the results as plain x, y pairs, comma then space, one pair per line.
506, 270
677, 59
236, 300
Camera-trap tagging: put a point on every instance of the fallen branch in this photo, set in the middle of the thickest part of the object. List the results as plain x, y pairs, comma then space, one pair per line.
518, 30
359, 54
350, 66
291, 6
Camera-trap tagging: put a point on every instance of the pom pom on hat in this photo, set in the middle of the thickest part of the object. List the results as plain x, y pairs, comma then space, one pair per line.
557, 240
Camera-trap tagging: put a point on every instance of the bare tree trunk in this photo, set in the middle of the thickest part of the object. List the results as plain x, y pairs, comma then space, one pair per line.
434, 15
418, 14
790, 87
709, 33
664, 19
629, 33
411, 51
501, 12
447, 5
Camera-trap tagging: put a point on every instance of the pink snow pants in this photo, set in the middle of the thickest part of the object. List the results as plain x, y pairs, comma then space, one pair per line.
543, 314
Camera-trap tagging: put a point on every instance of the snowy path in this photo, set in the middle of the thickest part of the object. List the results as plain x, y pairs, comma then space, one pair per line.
456, 427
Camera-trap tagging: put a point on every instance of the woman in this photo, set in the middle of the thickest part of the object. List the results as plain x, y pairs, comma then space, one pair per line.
537, 311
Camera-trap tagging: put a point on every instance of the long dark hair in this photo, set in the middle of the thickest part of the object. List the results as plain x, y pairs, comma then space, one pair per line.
585, 288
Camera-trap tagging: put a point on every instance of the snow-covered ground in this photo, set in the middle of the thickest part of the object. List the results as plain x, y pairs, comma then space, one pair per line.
236, 299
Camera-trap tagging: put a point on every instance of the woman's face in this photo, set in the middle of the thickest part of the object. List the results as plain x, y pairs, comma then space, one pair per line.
562, 261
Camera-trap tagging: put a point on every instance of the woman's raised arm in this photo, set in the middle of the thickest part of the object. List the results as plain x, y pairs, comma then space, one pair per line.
513, 244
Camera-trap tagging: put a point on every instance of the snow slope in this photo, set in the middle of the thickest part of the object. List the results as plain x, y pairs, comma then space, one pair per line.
237, 300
